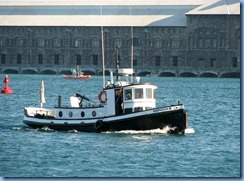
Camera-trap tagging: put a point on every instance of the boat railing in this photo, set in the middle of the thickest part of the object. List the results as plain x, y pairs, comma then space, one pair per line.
83, 106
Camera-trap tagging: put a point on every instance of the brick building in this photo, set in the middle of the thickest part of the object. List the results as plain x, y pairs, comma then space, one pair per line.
170, 38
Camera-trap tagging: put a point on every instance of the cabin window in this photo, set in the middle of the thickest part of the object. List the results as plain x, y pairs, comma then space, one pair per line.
138, 93
128, 94
154, 93
148, 93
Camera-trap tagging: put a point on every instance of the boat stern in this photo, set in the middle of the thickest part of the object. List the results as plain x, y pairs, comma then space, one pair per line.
38, 112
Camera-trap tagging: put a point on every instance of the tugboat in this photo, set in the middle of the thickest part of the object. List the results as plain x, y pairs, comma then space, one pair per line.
122, 105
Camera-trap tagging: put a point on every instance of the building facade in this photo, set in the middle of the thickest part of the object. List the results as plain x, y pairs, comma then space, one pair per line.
206, 44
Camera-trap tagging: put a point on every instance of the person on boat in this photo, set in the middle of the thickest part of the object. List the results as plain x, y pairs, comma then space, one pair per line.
128, 95
118, 102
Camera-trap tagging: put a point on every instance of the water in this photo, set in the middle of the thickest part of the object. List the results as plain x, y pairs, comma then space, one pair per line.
213, 150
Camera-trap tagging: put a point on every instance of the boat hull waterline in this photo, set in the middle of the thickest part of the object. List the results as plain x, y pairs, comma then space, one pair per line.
176, 119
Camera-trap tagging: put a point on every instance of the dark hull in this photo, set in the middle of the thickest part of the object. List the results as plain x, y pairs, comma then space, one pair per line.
177, 119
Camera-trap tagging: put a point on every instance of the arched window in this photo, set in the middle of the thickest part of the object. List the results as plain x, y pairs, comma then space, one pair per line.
3, 41
78, 42
19, 57
56, 42
40, 59
19, 41
158, 43
175, 61
175, 43
95, 42
234, 62
40, 42
157, 60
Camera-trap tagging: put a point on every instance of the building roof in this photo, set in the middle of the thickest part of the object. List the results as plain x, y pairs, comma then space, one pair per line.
105, 13
218, 7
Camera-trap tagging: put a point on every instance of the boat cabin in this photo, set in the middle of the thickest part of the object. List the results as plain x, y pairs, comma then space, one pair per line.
126, 97
121, 97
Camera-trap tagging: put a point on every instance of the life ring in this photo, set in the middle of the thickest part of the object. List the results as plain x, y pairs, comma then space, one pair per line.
98, 124
100, 96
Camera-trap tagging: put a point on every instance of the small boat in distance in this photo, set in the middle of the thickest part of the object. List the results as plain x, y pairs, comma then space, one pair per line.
77, 74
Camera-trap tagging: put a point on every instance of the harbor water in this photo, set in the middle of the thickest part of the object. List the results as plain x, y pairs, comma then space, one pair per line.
210, 149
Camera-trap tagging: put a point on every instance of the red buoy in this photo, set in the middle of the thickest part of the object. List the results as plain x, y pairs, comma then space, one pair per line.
6, 89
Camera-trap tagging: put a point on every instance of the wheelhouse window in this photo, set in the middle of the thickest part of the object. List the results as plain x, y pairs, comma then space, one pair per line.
139, 93
128, 94
149, 93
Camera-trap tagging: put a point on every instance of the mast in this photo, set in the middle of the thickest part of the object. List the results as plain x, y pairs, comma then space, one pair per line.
117, 63
132, 55
102, 35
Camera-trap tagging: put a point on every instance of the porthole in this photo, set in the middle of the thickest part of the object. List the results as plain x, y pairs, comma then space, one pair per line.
94, 113
82, 114
70, 114
60, 114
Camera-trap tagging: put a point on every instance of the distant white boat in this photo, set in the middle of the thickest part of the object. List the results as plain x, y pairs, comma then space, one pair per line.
77, 74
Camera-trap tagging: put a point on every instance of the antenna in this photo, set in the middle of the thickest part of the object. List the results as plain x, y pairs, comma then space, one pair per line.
102, 34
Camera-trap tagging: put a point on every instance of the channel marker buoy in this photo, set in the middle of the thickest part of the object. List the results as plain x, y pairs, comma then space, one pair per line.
6, 89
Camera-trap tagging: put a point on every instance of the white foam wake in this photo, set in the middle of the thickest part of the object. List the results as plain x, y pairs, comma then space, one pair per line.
152, 131
189, 131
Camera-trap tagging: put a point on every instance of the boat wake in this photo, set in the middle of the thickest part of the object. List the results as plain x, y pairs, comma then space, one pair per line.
44, 129
189, 131
164, 131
